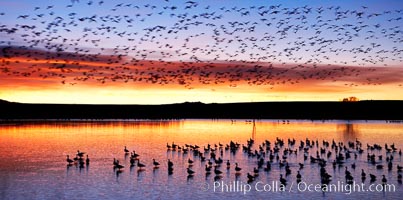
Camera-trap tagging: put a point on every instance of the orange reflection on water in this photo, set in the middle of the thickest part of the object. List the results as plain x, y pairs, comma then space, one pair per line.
34, 154
63, 137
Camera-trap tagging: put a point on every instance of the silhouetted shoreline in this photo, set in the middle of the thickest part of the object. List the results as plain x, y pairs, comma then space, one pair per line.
362, 110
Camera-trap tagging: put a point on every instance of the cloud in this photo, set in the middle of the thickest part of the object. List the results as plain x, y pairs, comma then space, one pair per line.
34, 67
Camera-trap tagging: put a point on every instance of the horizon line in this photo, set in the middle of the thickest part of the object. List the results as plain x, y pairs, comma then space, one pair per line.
200, 102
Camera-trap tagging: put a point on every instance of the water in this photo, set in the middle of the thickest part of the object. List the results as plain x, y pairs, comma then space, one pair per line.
33, 159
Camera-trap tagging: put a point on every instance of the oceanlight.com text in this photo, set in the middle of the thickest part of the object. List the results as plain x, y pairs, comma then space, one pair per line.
276, 186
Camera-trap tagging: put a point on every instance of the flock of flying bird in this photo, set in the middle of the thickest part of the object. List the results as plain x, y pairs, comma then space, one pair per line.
193, 43
278, 155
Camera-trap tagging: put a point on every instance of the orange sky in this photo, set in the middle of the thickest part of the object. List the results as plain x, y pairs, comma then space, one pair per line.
110, 80
170, 51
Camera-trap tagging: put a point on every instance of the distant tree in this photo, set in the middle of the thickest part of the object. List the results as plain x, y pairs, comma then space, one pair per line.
350, 99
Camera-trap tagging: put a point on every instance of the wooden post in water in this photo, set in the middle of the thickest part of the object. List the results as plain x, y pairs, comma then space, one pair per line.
254, 130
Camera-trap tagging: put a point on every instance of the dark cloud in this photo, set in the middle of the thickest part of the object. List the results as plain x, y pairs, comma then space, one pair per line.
76, 67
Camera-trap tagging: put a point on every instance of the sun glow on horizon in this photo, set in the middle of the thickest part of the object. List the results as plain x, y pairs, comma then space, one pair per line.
129, 95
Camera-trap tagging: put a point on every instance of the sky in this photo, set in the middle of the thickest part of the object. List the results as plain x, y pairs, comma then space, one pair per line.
159, 52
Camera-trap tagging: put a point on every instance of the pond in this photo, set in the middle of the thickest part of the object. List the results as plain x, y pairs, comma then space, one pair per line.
33, 159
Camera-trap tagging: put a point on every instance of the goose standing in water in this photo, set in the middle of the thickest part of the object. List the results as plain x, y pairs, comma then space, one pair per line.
140, 165
190, 172
256, 171
390, 165
298, 177
237, 169
287, 170
132, 160
363, 175
301, 166
268, 167
209, 162
126, 150
69, 161
348, 175
190, 162
250, 177
87, 161
80, 154
384, 180
81, 163
117, 165
134, 155
170, 166
217, 171
399, 178
283, 181
372, 177
208, 169
156, 164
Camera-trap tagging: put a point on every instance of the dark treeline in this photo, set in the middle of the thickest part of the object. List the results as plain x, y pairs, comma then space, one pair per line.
364, 110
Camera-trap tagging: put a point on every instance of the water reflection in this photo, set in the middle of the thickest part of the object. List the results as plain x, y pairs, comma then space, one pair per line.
349, 131
36, 157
